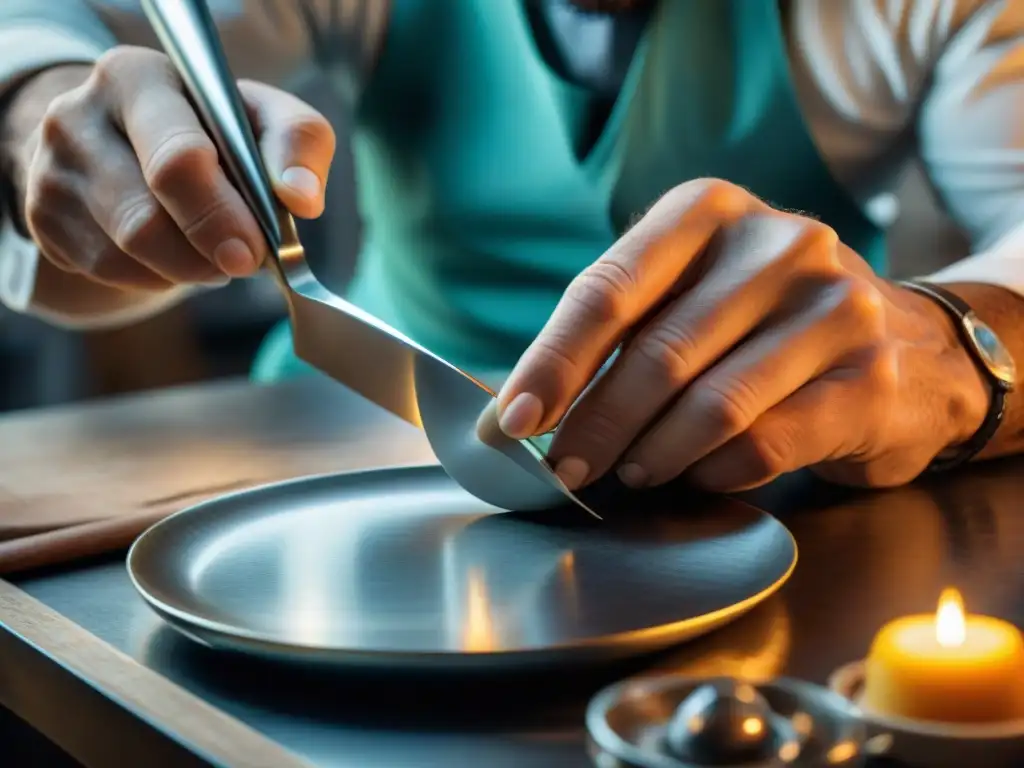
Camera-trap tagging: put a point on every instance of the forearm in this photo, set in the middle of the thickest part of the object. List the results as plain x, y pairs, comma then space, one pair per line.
1003, 310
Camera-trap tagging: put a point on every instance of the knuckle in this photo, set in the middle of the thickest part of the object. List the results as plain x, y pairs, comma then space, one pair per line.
51, 189
139, 224
121, 59
310, 130
57, 127
48, 193
669, 350
819, 237
865, 308
109, 66
817, 249
722, 197
551, 349
104, 70
216, 219
888, 471
727, 404
715, 196
604, 427
182, 159
108, 267
113, 267
882, 372
605, 290
770, 450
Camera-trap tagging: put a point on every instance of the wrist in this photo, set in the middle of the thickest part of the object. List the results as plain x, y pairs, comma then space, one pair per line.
962, 394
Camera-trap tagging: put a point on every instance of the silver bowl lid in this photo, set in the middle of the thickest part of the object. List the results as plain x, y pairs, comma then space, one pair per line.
672, 721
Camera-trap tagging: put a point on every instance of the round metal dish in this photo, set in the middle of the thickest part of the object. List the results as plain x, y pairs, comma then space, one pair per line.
400, 567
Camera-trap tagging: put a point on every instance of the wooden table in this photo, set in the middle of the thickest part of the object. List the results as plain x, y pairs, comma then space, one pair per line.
85, 664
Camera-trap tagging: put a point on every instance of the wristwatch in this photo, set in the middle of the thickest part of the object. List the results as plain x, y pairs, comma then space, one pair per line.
992, 358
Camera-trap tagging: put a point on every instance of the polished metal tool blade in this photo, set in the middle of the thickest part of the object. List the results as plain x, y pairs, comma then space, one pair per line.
335, 336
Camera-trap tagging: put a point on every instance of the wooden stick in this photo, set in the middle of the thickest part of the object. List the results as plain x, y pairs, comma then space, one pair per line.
76, 542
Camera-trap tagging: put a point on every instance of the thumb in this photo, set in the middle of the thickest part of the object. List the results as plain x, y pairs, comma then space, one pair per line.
297, 144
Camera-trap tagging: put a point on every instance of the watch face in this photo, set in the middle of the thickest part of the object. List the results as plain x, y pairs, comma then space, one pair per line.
996, 356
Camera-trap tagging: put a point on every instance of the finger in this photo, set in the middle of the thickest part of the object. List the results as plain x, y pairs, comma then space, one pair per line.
297, 144
181, 167
49, 212
828, 419
759, 374
689, 336
133, 219
69, 236
86, 250
609, 297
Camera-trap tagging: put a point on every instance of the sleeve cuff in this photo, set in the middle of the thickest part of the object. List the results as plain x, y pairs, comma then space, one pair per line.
30, 47
1002, 265
19, 260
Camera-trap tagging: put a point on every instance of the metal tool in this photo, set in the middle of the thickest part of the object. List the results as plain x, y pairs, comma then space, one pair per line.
335, 336
673, 721
399, 569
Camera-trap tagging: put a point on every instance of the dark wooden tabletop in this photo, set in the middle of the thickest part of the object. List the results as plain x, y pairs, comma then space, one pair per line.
865, 558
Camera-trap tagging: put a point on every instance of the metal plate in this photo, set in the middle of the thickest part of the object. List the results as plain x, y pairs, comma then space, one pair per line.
401, 567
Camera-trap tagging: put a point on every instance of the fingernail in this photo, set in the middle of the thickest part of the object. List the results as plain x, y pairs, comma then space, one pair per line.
303, 181
633, 475
572, 471
522, 416
234, 258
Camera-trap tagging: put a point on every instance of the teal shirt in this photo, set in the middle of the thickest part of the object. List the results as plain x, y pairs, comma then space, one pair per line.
482, 195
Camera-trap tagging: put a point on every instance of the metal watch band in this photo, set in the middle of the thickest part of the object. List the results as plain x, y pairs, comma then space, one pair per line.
959, 309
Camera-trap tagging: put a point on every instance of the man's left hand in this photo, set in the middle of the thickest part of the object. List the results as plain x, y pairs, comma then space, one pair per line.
751, 342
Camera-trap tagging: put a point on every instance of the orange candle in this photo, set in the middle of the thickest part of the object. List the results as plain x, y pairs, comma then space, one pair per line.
949, 667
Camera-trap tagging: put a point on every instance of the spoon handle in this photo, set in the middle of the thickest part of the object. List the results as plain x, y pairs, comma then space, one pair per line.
189, 36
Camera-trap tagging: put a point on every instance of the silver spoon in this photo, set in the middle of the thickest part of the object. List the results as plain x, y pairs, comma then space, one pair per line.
337, 337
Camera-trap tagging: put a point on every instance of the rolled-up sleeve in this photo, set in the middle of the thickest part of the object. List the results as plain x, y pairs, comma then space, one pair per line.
35, 35
971, 136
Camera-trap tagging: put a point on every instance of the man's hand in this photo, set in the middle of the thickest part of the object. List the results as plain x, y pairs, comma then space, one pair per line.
751, 343
119, 182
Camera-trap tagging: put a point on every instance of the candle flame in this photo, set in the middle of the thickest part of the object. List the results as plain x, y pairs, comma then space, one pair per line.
950, 620
752, 726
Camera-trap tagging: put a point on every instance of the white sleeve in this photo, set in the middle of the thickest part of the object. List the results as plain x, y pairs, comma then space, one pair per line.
971, 136
882, 81
34, 35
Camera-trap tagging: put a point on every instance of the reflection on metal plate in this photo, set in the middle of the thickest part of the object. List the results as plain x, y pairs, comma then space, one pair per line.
402, 567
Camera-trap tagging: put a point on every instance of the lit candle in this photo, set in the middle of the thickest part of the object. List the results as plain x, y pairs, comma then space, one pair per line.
949, 667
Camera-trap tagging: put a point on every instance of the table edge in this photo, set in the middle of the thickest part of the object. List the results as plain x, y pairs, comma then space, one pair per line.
46, 655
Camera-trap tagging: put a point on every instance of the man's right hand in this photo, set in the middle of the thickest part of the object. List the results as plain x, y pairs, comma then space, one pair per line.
119, 182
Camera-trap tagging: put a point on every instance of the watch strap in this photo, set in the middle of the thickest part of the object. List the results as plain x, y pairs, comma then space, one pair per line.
960, 310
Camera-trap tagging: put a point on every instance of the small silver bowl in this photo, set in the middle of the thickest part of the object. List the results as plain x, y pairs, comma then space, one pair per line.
930, 744
673, 721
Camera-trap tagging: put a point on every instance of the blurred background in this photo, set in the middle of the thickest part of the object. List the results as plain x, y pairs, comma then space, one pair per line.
215, 335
